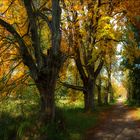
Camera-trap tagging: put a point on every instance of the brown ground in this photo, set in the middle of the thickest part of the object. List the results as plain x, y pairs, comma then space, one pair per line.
120, 123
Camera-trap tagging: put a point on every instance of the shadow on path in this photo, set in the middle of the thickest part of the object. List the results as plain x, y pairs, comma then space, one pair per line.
121, 123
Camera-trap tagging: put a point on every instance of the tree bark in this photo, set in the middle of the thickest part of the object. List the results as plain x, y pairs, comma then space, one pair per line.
111, 94
99, 93
46, 84
109, 86
89, 95
106, 98
46, 100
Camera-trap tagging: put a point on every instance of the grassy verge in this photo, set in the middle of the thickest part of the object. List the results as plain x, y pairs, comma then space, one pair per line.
132, 103
16, 118
78, 121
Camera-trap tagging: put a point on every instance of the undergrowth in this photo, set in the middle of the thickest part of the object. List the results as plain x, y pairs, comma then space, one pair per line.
19, 121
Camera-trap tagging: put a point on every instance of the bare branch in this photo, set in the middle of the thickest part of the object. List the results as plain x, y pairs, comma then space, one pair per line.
72, 86
27, 58
45, 18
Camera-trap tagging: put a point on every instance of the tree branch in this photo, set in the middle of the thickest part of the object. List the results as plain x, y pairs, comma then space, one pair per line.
27, 58
98, 69
72, 86
79, 65
34, 33
56, 33
45, 18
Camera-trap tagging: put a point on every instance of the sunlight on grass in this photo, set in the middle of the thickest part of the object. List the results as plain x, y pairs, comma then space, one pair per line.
138, 113
66, 103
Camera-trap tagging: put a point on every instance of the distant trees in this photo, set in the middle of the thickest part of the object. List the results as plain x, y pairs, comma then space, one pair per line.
131, 64
131, 52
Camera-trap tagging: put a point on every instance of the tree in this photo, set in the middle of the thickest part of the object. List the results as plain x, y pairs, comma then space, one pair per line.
88, 41
99, 87
82, 48
110, 60
43, 67
131, 53
131, 62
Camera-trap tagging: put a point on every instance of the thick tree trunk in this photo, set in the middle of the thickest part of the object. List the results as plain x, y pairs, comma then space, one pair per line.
47, 103
89, 96
46, 84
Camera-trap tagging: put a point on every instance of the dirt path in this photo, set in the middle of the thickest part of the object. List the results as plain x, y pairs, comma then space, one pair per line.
121, 123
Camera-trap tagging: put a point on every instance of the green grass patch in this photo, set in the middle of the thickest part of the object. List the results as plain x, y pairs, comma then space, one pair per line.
17, 117
132, 103
77, 121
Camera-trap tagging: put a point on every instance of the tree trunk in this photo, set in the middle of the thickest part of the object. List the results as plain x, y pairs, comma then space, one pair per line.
99, 91
46, 101
111, 94
89, 96
108, 89
46, 84
99, 96
106, 98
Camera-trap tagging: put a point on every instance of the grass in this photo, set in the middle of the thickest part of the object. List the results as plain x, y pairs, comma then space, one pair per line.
78, 122
15, 114
16, 119
132, 103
